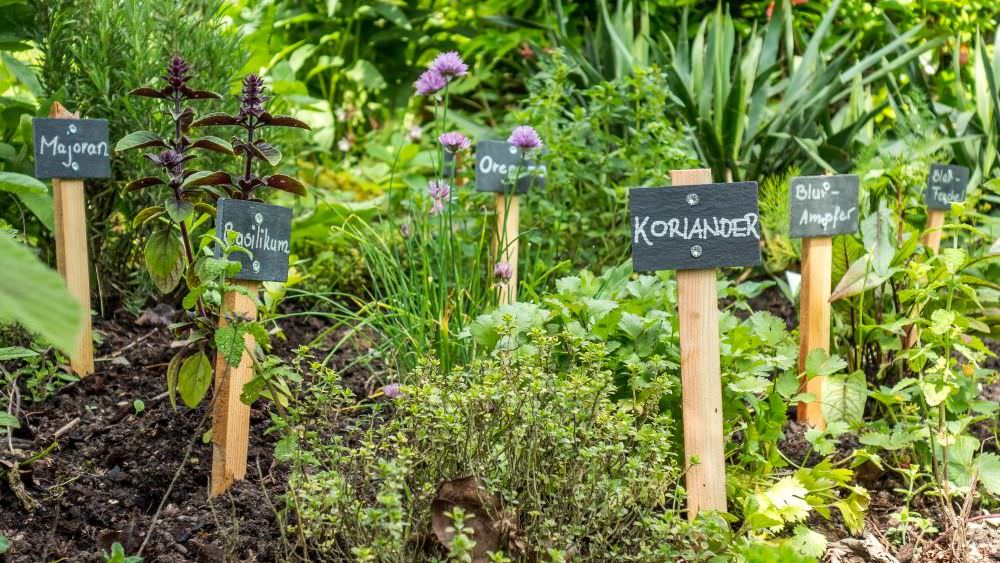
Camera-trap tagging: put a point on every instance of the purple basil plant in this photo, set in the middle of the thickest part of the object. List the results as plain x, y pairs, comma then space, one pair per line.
252, 118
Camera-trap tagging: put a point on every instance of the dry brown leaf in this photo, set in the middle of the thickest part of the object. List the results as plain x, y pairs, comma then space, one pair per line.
481, 507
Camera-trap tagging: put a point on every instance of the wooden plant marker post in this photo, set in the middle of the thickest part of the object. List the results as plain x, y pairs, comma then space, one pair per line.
945, 184
67, 150
820, 207
230, 416
508, 209
670, 230
496, 163
265, 230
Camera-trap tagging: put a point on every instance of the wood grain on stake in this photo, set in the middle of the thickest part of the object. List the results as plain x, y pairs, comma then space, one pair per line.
72, 258
701, 380
230, 416
814, 319
934, 229
508, 209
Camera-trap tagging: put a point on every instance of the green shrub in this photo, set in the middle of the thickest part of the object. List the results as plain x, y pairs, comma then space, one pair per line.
574, 472
94, 53
634, 318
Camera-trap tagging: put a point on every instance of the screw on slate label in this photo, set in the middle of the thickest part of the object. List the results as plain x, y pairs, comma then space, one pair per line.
512, 149
72, 129
696, 250
258, 217
256, 266
692, 199
75, 165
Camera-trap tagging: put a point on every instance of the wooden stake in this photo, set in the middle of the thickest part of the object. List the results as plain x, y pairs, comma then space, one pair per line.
508, 210
933, 232
230, 416
814, 320
701, 378
72, 257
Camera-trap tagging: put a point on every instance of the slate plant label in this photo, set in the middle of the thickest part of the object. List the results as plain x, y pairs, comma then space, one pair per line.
498, 163
945, 184
695, 227
823, 206
71, 148
265, 230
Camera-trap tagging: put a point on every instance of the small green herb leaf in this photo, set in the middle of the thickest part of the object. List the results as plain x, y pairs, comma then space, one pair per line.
194, 379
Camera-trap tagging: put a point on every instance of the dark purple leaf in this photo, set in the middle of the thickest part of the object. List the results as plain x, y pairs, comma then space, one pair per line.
285, 183
143, 183
199, 94
207, 179
213, 144
151, 92
267, 151
282, 121
186, 118
218, 118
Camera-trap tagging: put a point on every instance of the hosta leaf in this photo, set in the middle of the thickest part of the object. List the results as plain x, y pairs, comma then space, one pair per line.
21, 184
229, 341
139, 140
285, 183
194, 379
164, 259
143, 183
213, 144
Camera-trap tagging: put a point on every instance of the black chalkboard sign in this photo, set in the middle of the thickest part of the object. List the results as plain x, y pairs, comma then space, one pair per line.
695, 227
823, 206
945, 184
265, 230
498, 164
71, 148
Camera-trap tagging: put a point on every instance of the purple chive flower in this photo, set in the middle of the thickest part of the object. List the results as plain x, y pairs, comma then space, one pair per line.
449, 64
414, 133
404, 230
429, 82
439, 192
454, 141
525, 138
392, 390
503, 271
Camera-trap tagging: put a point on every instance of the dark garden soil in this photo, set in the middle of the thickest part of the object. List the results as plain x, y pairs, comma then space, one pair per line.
108, 468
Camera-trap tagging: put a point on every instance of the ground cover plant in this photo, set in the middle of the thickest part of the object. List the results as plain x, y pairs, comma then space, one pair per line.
397, 406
